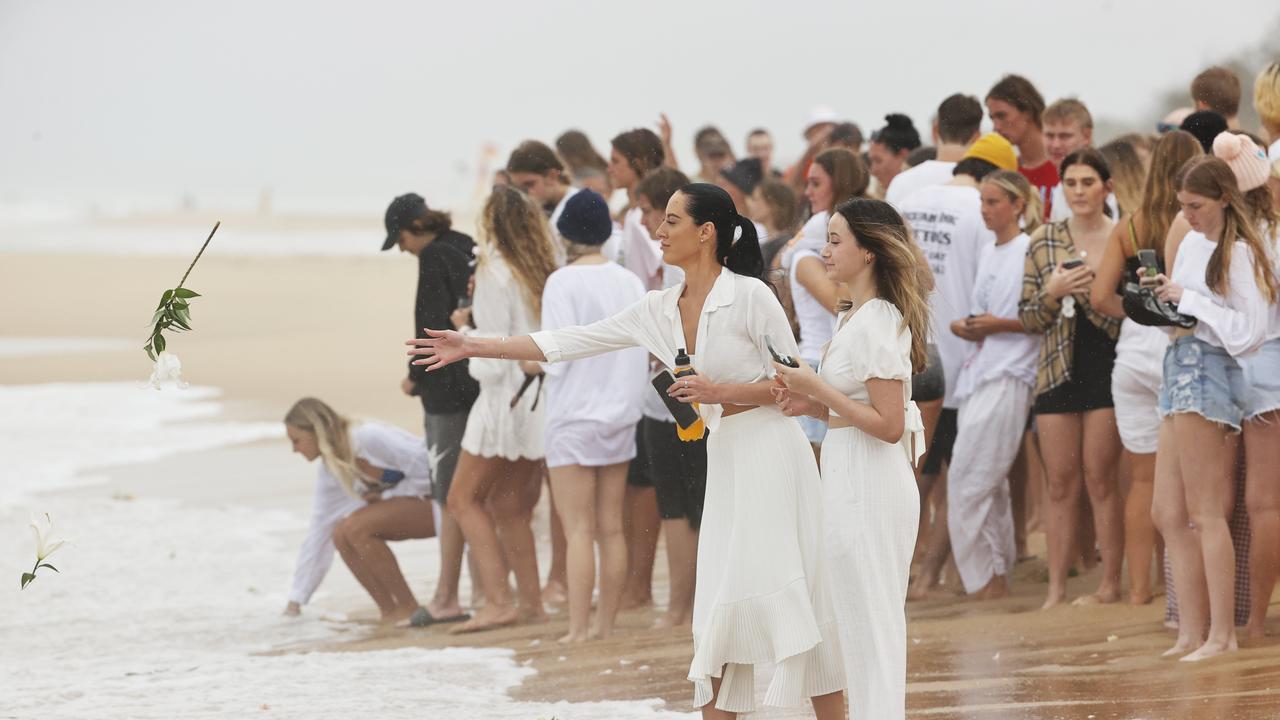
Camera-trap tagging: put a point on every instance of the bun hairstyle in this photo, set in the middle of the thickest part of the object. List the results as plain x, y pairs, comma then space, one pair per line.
737, 246
898, 134
1211, 177
901, 276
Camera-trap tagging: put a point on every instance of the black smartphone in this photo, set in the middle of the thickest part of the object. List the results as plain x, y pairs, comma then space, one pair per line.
683, 413
1072, 264
1150, 265
779, 357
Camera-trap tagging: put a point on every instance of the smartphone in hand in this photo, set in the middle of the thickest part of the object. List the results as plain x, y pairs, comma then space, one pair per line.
1072, 264
684, 414
779, 357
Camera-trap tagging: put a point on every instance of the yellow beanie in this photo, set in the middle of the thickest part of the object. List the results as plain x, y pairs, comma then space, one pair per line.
993, 148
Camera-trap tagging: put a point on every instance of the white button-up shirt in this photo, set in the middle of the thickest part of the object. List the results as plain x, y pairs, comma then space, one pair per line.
738, 314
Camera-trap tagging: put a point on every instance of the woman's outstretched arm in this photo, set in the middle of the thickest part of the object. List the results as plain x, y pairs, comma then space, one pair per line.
445, 347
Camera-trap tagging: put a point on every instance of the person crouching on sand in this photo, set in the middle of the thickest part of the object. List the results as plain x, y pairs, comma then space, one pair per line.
373, 485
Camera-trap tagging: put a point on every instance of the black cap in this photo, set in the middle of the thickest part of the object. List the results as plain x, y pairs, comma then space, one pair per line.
402, 211
745, 174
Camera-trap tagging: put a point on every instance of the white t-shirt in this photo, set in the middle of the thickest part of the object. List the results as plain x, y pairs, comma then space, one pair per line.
926, 174
1237, 323
817, 322
641, 254
997, 291
946, 221
605, 390
1061, 209
555, 217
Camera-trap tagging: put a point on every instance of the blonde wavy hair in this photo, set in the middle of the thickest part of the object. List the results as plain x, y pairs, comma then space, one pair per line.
515, 227
902, 276
1018, 188
333, 435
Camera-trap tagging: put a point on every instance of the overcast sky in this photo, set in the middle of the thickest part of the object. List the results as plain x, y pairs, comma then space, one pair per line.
342, 106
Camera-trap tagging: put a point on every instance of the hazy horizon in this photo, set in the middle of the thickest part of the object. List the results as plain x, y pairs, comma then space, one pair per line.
340, 107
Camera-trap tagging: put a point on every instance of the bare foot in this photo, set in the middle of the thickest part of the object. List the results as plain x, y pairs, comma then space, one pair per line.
1054, 599
555, 593
635, 603
1255, 632
1212, 648
1098, 598
1138, 597
400, 614
532, 616
444, 610
573, 639
1182, 646
670, 620
490, 617
996, 588
920, 587
600, 633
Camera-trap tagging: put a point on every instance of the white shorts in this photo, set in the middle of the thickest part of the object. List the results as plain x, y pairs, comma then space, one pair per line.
1136, 395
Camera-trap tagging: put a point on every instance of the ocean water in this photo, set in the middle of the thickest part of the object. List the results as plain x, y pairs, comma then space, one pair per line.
166, 609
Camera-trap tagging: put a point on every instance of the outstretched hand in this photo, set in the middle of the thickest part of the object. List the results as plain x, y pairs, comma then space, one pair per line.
438, 348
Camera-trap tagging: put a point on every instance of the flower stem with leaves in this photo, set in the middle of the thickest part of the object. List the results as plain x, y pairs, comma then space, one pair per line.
173, 313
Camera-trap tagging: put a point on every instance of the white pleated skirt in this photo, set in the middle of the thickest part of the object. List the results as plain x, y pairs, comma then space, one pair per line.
871, 514
761, 594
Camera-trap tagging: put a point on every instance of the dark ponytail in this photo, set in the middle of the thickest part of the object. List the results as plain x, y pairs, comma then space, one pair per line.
707, 203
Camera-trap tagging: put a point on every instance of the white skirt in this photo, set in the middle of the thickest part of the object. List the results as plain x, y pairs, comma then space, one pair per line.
761, 595
495, 429
871, 513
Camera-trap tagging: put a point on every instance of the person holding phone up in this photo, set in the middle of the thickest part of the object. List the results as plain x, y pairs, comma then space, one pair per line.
1075, 414
761, 592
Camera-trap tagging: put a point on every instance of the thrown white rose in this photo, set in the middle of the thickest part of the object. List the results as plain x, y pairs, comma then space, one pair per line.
167, 369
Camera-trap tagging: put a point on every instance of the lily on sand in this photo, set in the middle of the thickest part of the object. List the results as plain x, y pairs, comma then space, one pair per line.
46, 545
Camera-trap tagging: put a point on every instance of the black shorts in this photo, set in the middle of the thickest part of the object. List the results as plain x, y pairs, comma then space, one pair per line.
1089, 388
677, 470
942, 443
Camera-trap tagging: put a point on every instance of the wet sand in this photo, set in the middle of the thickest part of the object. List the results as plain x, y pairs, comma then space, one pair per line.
271, 329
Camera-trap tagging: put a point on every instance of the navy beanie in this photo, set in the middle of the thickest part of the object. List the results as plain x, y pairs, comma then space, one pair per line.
1206, 125
585, 219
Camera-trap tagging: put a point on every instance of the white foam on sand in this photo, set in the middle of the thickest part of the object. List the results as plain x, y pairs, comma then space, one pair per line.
163, 608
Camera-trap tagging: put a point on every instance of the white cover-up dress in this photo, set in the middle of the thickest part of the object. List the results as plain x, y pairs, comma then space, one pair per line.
872, 511
761, 595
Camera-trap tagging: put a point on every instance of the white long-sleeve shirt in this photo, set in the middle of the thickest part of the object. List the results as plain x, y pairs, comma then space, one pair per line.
1236, 323
736, 316
382, 446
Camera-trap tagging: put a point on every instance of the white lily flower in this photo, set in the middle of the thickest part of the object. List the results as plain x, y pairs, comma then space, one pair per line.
46, 545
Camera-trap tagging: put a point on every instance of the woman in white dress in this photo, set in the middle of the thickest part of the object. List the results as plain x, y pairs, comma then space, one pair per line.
593, 406
500, 466
373, 485
761, 595
870, 501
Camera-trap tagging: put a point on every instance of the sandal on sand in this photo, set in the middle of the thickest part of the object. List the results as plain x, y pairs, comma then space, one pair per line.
422, 617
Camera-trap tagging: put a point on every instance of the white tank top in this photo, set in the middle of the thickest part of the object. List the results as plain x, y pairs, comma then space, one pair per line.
817, 322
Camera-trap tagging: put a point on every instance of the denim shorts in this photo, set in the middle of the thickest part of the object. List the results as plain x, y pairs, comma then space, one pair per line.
1203, 379
814, 429
1262, 380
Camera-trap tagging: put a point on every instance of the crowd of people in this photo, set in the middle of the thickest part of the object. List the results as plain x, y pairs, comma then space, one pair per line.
899, 356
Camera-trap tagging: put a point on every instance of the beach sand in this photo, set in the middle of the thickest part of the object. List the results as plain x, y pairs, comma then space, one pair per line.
272, 329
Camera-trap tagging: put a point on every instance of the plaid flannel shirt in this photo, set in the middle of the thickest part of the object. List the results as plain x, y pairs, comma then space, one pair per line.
1043, 314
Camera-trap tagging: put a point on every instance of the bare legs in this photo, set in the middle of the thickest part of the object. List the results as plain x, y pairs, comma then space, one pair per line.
590, 501
361, 539
682, 565
641, 525
825, 707
1262, 497
1076, 444
1140, 539
1208, 480
445, 601
554, 591
512, 489
1169, 512
929, 412
938, 548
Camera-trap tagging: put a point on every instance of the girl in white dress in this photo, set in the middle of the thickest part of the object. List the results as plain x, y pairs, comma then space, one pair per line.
761, 594
870, 503
500, 466
593, 406
373, 485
